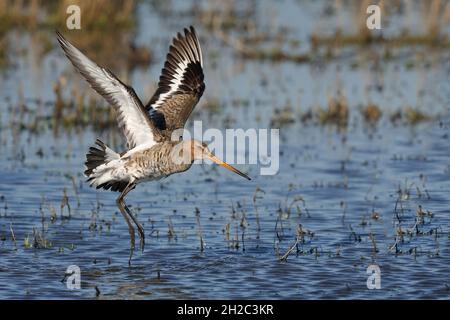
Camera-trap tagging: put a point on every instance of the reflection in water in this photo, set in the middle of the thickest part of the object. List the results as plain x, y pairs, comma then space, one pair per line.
364, 172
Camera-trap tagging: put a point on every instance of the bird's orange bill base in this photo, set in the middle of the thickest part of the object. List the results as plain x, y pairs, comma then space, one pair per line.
226, 165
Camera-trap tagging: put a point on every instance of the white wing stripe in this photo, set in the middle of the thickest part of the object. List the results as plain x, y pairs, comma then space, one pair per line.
175, 83
182, 73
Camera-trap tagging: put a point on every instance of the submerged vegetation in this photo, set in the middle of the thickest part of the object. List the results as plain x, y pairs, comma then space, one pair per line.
356, 115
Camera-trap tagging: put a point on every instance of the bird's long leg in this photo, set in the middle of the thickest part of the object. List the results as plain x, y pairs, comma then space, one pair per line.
121, 205
127, 189
139, 227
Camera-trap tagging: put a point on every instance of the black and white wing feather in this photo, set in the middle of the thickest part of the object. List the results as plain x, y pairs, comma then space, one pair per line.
181, 83
131, 115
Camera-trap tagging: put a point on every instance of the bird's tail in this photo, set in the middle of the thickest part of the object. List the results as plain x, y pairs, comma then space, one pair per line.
100, 164
97, 157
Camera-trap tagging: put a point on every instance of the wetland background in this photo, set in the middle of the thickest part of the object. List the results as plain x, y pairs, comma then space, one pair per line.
364, 152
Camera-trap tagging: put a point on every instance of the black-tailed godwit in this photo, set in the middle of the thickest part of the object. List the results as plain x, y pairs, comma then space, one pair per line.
152, 153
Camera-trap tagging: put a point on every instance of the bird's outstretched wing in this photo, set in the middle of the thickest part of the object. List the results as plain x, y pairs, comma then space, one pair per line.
180, 84
131, 115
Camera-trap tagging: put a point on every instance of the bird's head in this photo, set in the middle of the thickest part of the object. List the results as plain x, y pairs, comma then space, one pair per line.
195, 150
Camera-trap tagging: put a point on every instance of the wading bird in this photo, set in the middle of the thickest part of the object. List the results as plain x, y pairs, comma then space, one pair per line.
149, 130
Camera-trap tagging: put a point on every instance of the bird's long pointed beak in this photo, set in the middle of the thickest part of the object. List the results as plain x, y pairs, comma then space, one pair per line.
226, 165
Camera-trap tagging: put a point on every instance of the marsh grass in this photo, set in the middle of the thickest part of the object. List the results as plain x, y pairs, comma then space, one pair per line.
298, 245
303, 237
337, 112
98, 36
76, 107
408, 229
33, 14
371, 113
435, 14
415, 116
258, 190
74, 113
199, 230
282, 117
171, 232
238, 28
3, 50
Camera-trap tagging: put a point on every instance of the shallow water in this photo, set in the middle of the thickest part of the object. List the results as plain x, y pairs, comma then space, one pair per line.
342, 175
